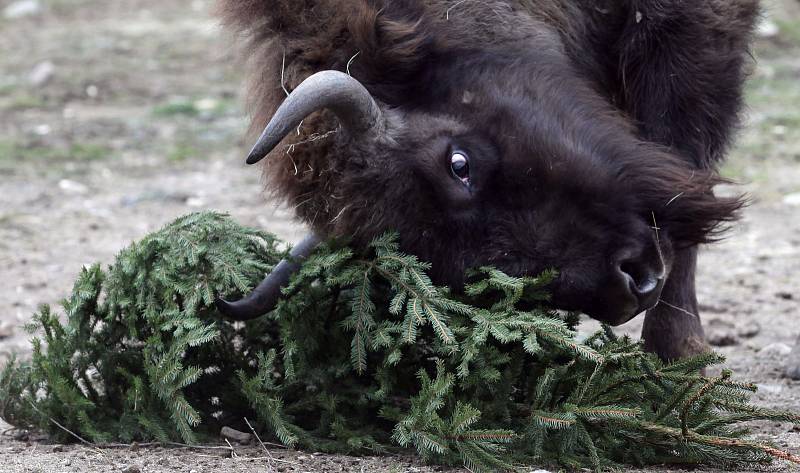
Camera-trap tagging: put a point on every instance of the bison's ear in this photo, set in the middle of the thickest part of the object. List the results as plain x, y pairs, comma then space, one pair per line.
393, 42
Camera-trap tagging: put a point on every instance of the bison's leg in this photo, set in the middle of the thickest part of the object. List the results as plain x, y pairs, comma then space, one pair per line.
681, 69
672, 328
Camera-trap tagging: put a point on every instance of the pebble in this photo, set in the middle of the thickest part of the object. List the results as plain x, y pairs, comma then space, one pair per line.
721, 333
6, 330
767, 28
792, 370
195, 202
792, 199
22, 9
43, 130
722, 338
72, 187
206, 105
776, 349
749, 330
42, 73
132, 469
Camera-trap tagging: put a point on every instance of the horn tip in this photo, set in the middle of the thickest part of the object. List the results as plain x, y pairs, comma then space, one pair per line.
240, 310
253, 158
225, 307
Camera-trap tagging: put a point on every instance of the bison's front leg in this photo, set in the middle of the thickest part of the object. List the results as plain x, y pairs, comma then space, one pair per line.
672, 328
681, 70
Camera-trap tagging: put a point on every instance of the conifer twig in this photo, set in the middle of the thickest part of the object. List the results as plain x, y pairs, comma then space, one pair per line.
270, 459
710, 384
73, 434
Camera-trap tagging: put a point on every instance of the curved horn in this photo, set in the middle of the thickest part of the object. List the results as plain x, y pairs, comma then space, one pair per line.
265, 297
334, 90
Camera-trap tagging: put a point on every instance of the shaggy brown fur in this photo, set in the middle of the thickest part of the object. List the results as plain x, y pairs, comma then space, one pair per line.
588, 124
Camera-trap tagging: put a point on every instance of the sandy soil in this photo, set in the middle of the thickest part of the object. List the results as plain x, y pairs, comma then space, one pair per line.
116, 117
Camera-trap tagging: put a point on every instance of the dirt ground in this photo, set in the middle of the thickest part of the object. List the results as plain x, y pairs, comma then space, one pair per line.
116, 117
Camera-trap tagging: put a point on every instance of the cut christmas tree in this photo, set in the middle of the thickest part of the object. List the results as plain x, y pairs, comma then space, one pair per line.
362, 355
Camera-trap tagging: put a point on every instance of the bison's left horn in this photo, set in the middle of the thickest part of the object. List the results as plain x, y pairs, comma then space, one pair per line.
344, 96
265, 297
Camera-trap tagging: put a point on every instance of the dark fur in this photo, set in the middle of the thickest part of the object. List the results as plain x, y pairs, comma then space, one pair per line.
589, 123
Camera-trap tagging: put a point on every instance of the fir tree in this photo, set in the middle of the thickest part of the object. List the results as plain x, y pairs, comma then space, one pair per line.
364, 354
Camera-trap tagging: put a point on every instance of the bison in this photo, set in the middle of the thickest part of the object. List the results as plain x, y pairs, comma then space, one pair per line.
521, 134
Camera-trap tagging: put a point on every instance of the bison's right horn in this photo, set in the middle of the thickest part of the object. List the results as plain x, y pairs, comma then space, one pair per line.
265, 297
344, 96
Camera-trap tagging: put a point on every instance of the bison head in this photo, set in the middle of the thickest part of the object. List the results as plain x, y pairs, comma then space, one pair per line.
506, 159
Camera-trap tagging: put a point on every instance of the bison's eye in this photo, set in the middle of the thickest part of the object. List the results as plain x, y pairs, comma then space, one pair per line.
459, 164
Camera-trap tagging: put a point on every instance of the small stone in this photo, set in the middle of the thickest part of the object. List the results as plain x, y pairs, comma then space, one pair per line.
779, 130
792, 199
72, 187
722, 338
132, 469
639, 17
787, 296
206, 105
721, 333
792, 370
43, 130
767, 28
232, 434
776, 349
42, 73
749, 330
92, 91
22, 9
195, 202
6, 330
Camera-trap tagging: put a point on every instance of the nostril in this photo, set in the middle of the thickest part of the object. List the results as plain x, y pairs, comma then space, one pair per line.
641, 279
